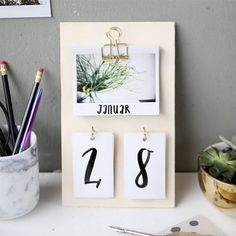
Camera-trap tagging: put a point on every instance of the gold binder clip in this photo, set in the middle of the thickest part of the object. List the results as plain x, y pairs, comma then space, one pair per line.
115, 50
144, 134
93, 134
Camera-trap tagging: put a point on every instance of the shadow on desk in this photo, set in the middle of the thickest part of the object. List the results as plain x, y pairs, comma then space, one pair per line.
185, 187
50, 192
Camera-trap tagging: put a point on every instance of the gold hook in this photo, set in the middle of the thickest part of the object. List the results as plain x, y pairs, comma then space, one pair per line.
93, 134
144, 134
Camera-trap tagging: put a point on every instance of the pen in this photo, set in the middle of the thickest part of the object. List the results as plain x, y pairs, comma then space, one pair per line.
28, 110
12, 128
31, 121
131, 232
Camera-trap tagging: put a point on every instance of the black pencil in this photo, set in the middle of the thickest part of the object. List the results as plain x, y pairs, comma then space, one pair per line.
4, 142
12, 128
28, 110
2, 149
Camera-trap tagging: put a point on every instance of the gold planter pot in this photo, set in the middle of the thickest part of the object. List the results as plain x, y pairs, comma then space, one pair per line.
221, 194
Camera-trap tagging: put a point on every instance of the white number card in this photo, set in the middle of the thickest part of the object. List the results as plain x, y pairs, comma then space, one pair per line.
93, 165
144, 165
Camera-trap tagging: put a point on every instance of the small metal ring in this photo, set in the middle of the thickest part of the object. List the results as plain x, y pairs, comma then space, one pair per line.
93, 134
144, 134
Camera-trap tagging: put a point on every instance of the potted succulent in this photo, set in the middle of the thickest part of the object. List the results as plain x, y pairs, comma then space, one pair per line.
217, 174
96, 79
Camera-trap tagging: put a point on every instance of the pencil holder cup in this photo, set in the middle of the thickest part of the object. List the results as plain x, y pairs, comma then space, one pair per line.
19, 182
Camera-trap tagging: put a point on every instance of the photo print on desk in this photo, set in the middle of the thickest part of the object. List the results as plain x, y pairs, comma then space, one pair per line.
25, 8
116, 87
93, 165
144, 165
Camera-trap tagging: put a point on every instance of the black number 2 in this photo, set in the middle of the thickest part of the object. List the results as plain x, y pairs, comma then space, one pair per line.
90, 166
142, 166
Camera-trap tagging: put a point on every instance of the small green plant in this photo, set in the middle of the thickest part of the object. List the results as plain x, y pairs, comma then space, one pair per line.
221, 164
105, 76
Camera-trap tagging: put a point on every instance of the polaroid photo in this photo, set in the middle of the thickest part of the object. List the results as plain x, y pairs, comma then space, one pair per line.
25, 8
116, 87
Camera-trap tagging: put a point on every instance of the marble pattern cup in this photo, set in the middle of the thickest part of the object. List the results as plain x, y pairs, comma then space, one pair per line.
19, 182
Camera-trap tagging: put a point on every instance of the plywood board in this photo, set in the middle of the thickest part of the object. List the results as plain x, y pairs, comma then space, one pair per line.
160, 34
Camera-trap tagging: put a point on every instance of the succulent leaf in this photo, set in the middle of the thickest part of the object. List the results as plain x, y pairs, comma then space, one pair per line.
229, 174
232, 155
213, 152
214, 172
226, 141
231, 163
224, 156
233, 140
220, 164
205, 160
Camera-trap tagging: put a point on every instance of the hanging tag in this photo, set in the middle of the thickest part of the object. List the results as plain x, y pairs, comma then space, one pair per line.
93, 165
144, 165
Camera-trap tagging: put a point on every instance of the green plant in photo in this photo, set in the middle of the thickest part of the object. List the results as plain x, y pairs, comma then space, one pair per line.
221, 164
93, 77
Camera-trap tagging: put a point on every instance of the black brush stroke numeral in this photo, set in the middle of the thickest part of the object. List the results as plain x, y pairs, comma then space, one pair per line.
142, 166
90, 166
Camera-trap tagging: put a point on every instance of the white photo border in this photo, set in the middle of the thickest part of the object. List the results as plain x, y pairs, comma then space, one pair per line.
26, 11
136, 109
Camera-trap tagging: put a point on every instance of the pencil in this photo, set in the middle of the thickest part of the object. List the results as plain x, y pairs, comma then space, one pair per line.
28, 110
4, 142
12, 128
28, 130
2, 150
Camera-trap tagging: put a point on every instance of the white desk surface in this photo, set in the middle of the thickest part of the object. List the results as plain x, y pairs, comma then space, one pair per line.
51, 218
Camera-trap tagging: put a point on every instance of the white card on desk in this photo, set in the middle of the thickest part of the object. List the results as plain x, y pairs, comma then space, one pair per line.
144, 166
93, 165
